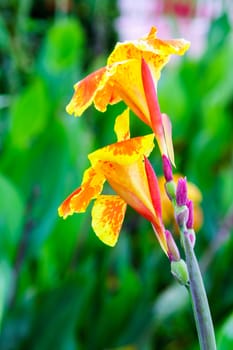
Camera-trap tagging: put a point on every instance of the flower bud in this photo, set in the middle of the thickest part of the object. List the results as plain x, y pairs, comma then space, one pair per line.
167, 168
190, 216
173, 252
181, 215
181, 192
170, 188
180, 272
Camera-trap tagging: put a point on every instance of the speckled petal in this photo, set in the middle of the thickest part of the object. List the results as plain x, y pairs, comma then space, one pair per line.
155, 51
85, 91
124, 152
121, 126
78, 201
107, 217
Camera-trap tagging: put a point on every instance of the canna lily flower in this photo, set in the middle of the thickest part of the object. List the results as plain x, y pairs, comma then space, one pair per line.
124, 165
131, 74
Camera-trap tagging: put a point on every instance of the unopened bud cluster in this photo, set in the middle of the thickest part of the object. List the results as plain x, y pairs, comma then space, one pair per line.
178, 265
184, 210
178, 195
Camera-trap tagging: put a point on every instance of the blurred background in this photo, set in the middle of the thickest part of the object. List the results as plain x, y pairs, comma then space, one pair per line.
60, 287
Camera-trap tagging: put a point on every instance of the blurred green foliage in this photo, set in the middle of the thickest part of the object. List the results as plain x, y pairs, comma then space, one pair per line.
60, 288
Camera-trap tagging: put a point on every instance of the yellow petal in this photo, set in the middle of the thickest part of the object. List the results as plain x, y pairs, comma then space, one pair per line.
107, 217
124, 152
155, 51
121, 78
125, 77
106, 93
78, 201
121, 127
130, 182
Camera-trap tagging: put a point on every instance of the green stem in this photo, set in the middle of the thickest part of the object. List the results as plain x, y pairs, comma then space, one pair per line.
201, 309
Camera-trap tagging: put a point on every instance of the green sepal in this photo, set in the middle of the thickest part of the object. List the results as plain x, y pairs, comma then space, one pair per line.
180, 272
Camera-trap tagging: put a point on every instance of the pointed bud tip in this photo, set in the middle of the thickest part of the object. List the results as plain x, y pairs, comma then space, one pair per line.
167, 168
173, 251
181, 192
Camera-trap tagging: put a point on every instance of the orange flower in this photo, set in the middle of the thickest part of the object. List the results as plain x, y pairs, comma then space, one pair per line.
194, 194
131, 75
124, 165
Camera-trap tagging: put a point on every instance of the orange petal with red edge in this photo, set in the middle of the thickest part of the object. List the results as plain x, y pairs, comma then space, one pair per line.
131, 184
86, 92
78, 201
125, 77
121, 126
124, 152
107, 217
64, 209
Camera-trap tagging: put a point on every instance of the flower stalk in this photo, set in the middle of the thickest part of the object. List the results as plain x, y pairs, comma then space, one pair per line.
200, 303
184, 216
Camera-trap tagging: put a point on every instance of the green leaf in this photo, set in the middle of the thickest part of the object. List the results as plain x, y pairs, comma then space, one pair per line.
48, 166
174, 105
121, 304
11, 216
64, 44
59, 310
29, 113
4, 36
225, 337
6, 285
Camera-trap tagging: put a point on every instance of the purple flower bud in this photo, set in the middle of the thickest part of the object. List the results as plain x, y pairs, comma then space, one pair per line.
173, 252
181, 192
181, 215
167, 168
189, 223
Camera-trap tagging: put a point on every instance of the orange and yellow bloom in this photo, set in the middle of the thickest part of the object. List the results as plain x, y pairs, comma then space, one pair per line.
124, 165
131, 75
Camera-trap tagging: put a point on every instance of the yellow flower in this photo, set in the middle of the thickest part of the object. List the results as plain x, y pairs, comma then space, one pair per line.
194, 194
124, 165
131, 75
